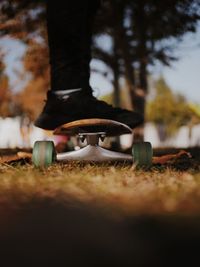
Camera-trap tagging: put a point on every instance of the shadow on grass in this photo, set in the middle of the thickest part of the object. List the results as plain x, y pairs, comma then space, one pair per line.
44, 232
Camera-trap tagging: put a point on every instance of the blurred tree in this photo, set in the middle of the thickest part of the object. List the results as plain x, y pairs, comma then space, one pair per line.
25, 20
153, 24
169, 111
31, 98
5, 96
195, 109
195, 119
141, 32
22, 19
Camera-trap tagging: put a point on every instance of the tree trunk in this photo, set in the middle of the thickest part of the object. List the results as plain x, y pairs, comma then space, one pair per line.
124, 47
140, 99
116, 92
137, 96
141, 91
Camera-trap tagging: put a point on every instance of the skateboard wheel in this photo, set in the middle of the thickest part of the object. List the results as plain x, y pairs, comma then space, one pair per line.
44, 153
142, 154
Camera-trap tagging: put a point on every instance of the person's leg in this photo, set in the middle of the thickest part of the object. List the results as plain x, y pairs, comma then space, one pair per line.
93, 6
70, 98
67, 27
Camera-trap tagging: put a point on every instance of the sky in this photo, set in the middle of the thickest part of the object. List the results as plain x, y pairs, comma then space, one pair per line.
183, 76
14, 51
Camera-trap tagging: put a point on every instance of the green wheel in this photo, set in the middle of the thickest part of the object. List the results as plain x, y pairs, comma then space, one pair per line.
142, 154
44, 153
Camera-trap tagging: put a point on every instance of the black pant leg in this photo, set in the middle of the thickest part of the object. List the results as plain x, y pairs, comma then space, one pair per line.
65, 20
69, 25
93, 6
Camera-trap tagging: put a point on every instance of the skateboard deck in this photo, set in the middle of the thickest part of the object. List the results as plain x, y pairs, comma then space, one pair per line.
110, 127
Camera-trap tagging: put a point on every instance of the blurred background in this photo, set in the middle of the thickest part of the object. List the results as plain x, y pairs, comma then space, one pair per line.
146, 56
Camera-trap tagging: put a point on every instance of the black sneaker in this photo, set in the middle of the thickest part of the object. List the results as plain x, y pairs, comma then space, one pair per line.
77, 106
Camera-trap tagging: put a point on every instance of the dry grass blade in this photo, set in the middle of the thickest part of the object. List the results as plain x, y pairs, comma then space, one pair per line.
111, 187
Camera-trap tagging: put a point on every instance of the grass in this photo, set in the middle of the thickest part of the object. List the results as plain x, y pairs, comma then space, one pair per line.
89, 215
115, 189
100, 215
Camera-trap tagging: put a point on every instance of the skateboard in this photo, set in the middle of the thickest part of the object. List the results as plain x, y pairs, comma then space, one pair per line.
92, 131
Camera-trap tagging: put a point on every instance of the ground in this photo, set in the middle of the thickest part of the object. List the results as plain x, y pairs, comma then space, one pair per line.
117, 208
120, 188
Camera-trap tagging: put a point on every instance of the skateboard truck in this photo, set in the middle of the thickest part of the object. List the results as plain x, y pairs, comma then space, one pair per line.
92, 138
92, 151
91, 131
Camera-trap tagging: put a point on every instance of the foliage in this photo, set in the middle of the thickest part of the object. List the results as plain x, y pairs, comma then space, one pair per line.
168, 108
25, 20
5, 95
31, 99
195, 108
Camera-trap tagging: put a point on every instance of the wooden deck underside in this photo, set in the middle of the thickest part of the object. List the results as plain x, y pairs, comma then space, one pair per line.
111, 128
